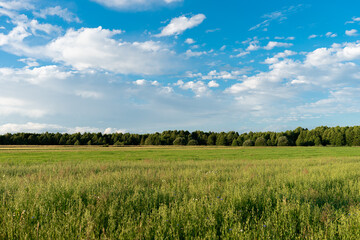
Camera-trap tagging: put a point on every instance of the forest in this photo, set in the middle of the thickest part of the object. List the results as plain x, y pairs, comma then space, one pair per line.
320, 136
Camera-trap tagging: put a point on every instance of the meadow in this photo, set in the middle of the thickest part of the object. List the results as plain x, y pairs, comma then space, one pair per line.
179, 192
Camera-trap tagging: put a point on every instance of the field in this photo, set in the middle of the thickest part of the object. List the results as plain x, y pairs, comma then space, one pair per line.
179, 193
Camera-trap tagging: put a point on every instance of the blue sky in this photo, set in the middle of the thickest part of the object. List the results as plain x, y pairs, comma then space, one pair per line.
153, 65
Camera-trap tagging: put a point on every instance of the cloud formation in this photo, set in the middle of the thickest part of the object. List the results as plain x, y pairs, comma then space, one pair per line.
138, 5
180, 24
63, 13
96, 48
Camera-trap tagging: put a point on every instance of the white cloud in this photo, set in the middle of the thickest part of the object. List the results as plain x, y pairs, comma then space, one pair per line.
30, 62
140, 82
345, 100
253, 45
273, 44
278, 16
212, 30
58, 11
15, 106
29, 128
223, 75
312, 36
135, 4
190, 53
213, 84
275, 59
223, 48
89, 94
189, 41
95, 48
180, 24
143, 82
16, 5
13, 41
354, 20
331, 35
325, 69
199, 88
35, 75
352, 32
113, 130
241, 53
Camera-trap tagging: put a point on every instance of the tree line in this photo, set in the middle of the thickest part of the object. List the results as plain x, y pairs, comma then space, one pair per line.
320, 136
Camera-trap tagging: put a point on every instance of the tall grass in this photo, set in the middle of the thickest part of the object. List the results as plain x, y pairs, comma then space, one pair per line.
180, 193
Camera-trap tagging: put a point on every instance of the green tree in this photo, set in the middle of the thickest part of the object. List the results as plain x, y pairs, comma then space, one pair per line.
211, 139
283, 141
179, 141
221, 140
260, 141
248, 143
193, 142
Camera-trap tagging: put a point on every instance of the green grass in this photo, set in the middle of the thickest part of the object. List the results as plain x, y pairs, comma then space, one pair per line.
179, 193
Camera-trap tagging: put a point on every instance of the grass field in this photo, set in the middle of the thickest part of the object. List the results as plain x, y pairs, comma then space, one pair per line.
179, 193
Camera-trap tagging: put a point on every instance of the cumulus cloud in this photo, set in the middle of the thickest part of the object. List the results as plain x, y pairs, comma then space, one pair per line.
33, 75
190, 53
276, 58
213, 84
95, 48
63, 13
13, 41
253, 45
352, 32
135, 4
199, 88
330, 69
189, 41
143, 82
180, 24
271, 45
113, 130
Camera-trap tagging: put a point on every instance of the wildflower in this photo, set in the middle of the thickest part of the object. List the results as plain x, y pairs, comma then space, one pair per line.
230, 229
264, 225
241, 230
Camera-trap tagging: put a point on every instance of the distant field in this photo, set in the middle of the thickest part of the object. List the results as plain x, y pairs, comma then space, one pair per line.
179, 192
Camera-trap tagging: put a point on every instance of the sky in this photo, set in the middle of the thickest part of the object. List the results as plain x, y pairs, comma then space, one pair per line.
143, 66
